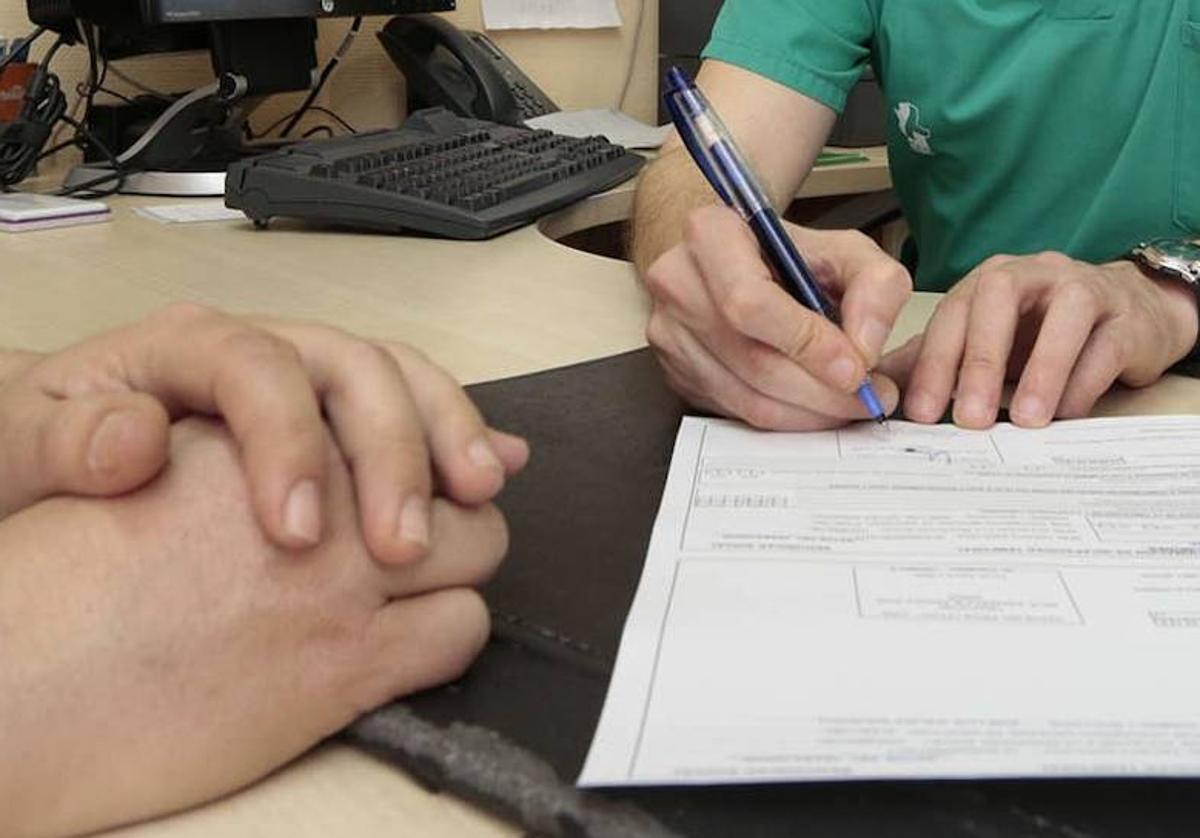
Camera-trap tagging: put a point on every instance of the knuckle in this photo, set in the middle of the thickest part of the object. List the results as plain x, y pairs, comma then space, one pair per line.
185, 312
410, 352
976, 359
855, 239
995, 261
365, 357
660, 334
661, 279
953, 305
1053, 260
802, 338
995, 280
256, 347
761, 412
759, 364
654, 330
1079, 296
897, 276
744, 304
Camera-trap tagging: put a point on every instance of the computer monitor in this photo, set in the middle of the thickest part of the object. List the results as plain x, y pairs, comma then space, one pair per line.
189, 11
258, 48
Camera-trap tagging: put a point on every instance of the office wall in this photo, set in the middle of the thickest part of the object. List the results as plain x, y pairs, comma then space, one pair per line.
577, 68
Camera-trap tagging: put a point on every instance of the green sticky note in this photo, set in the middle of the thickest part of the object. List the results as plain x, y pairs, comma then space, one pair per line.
838, 158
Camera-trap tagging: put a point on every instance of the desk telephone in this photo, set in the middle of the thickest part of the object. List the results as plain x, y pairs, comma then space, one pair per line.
461, 70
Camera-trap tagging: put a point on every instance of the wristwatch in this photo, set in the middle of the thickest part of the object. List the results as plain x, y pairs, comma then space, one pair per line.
1173, 259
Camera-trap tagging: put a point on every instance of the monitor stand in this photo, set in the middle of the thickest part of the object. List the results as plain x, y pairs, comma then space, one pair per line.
178, 184
184, 153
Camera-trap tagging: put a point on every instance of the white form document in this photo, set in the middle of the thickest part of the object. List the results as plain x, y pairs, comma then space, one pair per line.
550, 14
616, 126
915, 601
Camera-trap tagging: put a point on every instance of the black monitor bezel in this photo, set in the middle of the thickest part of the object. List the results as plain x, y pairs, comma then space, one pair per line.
208, 11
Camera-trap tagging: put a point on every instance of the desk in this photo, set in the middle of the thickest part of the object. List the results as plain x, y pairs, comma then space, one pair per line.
485, 310
871, 175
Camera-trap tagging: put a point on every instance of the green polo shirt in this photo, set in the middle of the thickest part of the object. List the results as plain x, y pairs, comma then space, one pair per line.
1014, 126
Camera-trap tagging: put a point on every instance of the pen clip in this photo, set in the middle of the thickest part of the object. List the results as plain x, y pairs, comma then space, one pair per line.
712, 147
699, 152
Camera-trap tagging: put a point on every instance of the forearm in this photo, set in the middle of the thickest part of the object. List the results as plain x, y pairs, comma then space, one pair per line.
669, 189
759, 113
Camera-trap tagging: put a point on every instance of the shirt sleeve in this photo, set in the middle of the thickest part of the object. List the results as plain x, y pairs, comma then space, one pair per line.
817, 47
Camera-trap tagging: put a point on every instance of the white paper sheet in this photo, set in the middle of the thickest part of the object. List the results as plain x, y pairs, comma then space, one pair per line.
193, 212
550, 14
915, 602
618, 127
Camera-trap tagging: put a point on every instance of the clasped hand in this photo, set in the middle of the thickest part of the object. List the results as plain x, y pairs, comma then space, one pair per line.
94, 419
273, 576
731, 340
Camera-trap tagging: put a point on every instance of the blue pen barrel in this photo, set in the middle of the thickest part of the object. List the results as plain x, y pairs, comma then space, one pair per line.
753, 205
773, 238
709, 143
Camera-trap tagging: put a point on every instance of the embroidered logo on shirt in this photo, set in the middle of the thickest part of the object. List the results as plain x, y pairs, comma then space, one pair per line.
909, 119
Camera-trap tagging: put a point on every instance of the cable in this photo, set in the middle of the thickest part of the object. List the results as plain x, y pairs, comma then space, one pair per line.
134, 83
633, 54
55, 149
330, 66
312, 132
346, 125
95, 78
22, 141
118, 173
311, 109
108, 91
164, 119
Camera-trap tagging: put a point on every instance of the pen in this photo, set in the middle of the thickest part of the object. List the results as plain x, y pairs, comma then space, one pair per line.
723, 166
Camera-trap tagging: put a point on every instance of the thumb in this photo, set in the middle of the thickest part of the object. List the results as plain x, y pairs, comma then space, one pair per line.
512, 450
872, 286
102, 444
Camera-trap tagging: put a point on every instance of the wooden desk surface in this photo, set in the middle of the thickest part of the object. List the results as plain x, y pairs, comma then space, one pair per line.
870, 175
488, 310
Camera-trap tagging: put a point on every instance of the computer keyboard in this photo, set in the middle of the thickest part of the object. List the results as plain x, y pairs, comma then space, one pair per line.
438, 173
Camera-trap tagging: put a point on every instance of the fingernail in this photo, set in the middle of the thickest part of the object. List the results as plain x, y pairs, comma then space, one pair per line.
105, 450
414, 520
1029, 409
872, 335
482, 455
844, 373
921, 407
973, 410
302, 512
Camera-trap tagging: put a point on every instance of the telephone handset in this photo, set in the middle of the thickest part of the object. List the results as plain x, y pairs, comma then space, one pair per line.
461, 70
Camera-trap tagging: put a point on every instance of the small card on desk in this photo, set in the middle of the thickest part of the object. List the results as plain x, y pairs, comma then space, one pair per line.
22, 211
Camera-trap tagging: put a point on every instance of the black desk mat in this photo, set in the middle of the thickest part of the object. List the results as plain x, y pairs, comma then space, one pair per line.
512, 735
